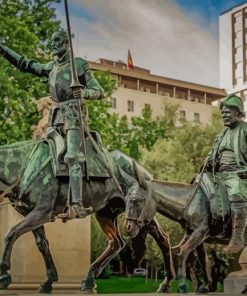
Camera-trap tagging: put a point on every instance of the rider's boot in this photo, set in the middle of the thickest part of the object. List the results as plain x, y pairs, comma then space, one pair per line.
76, 184
239, 219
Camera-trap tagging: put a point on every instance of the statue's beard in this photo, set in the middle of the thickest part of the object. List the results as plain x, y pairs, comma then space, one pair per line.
60, 55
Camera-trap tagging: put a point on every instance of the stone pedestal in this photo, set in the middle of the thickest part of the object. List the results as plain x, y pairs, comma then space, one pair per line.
69, 244
236, 281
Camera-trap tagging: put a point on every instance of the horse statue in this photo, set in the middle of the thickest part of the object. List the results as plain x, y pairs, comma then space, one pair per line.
27, 179
188, 205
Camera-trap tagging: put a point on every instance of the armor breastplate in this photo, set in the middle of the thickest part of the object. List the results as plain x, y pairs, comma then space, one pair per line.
59, 82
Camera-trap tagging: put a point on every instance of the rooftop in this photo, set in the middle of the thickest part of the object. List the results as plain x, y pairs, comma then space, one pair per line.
120, 68
235, 6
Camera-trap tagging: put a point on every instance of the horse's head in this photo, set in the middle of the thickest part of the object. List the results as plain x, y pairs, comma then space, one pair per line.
135, 214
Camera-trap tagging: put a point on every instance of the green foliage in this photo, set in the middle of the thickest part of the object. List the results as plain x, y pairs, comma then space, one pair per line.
107, 81
98, 110
118, 133
145, 131
25, 27
179, 157
98, 240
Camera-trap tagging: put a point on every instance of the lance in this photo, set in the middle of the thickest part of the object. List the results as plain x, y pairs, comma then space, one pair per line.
76, 84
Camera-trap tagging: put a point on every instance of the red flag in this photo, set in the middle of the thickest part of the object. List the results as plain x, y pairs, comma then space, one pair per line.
130, 62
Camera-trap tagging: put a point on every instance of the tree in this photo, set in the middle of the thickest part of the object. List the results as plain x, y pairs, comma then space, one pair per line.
25, 27
179, 157
143, 131
98, 240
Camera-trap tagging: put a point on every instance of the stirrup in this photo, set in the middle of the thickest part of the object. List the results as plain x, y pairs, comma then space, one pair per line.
72, 212
78, 211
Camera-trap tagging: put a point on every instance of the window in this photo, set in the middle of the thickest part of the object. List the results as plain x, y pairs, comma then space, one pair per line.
197, 117
130, 106
182, 114
113, 103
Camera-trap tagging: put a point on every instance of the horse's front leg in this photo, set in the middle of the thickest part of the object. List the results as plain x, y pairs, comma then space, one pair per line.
115, 245
33, 220
202, 257
193, 241
43, 246
162, 240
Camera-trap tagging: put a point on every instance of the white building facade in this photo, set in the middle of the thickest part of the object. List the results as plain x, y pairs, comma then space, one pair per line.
137, 88
233, 51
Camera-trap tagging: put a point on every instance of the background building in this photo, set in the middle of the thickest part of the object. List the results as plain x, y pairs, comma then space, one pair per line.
138, 87
233, 51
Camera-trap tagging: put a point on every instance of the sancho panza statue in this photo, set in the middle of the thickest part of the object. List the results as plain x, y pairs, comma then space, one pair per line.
228, 162
64, 116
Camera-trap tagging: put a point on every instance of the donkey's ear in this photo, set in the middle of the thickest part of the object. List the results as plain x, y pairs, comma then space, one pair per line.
141, 177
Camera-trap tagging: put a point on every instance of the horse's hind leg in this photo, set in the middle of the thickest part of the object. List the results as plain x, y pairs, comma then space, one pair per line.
162, 240
43, 246
115, 245
30, 222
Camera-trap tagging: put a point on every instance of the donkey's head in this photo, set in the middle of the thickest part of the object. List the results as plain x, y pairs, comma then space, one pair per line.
140, 210
134, 218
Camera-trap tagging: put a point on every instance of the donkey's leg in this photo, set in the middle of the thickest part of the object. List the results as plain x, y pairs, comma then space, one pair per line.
194, 240
33, 220
202, 257
43, 246
162, 240
138, 248
192, 266
115, 245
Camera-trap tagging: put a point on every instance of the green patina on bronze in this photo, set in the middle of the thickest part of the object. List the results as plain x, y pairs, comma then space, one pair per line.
212, 210
65, 114
44, 195
42, 192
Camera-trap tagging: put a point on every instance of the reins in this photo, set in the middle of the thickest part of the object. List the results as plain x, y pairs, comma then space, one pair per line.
197, 185
9, 189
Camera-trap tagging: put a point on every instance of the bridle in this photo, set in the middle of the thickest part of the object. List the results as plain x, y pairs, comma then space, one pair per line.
140, 221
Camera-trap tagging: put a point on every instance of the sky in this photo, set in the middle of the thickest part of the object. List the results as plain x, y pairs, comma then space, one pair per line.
172, 38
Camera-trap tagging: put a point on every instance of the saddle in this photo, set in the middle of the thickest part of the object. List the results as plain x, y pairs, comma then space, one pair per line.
57, 148
51, 151
216, 194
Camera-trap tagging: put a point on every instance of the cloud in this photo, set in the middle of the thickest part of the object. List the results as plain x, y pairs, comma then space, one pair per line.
160, 35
